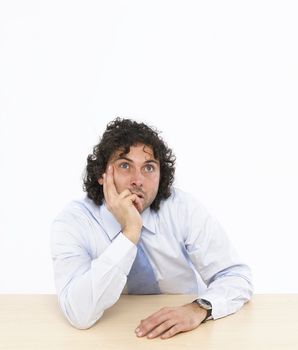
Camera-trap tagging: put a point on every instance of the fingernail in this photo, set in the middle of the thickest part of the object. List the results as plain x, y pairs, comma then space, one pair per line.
137, 330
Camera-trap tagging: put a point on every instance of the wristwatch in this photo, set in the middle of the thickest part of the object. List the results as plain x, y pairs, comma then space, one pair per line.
206, 305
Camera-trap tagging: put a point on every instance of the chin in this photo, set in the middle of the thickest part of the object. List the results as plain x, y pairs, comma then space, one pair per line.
141, 210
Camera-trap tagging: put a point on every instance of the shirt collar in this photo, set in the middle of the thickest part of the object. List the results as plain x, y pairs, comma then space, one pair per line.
111, 226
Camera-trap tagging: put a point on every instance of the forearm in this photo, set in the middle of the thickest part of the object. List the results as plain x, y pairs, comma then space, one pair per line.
229, 291
84, 301
92, 289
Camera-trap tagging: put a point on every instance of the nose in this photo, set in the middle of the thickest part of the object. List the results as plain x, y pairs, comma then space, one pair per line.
137, 178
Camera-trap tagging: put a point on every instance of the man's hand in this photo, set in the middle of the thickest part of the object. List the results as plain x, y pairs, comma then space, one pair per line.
171, 320
124, 206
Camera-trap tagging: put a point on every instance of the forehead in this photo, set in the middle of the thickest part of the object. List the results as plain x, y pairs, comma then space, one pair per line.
139, 151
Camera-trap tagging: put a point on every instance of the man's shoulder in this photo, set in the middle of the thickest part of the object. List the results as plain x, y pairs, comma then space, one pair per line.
182, 207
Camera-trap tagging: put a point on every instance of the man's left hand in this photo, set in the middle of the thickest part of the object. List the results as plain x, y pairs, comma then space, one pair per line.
171, 320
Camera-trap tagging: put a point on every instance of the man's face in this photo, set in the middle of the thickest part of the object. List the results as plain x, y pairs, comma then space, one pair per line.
137, 171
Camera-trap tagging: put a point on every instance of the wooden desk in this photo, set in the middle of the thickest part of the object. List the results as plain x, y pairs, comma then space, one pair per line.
35, 322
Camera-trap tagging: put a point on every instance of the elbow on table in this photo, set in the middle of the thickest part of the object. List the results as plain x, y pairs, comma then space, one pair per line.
83, 323
81, 320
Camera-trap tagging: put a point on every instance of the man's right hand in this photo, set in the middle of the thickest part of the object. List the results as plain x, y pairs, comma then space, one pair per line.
126, 207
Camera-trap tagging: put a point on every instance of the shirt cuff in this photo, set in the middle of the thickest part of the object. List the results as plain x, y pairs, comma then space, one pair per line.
219, 305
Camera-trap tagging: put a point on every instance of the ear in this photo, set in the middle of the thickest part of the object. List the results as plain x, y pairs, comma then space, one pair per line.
100, 181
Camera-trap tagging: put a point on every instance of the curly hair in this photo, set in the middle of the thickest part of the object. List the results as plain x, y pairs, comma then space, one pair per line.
122, 134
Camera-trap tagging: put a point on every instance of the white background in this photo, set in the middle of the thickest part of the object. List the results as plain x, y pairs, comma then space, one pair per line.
219, 78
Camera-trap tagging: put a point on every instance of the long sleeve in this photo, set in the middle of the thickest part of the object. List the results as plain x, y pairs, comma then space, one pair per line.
87, 285
228, 279
92, 259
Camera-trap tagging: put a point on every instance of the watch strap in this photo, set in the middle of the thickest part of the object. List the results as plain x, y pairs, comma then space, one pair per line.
208, 307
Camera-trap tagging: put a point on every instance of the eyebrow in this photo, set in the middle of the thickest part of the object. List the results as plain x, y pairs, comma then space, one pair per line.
131, 161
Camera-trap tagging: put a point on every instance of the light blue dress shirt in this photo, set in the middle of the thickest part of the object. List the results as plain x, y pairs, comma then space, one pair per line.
186, 247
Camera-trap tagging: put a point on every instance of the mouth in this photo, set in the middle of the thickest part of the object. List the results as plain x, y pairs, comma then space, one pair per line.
140, 195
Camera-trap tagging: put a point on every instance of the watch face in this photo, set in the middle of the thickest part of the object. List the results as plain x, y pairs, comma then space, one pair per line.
205, 304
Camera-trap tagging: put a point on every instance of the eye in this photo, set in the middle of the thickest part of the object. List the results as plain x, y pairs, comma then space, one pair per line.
149, 168
124, 165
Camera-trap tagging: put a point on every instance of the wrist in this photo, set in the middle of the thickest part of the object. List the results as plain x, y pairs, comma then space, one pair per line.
204, 305
132, 233
202, 313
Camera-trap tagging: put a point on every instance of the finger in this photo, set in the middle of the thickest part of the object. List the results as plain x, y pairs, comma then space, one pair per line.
172, 331
136, 202
132, 199
106, 191
159, 313
125, 193
156, 314
161, 329
109, 184
104, 186
151, 322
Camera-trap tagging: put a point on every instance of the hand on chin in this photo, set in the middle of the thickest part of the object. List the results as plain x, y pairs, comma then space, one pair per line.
139, 206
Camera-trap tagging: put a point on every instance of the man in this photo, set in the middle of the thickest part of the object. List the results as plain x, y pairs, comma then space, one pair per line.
135, 233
